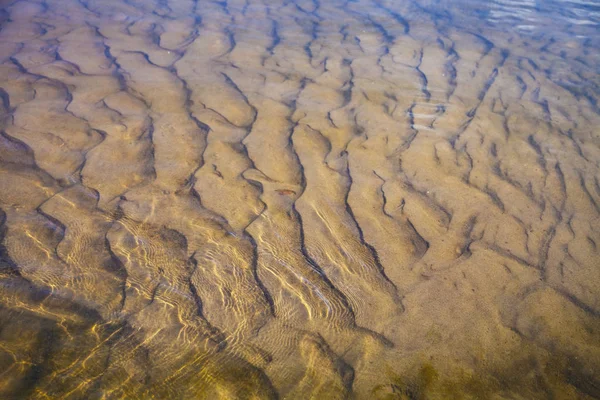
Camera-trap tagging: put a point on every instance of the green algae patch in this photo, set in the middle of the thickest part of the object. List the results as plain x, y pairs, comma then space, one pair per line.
556, 377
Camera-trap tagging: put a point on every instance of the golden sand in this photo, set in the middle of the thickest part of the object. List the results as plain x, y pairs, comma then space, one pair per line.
295, 200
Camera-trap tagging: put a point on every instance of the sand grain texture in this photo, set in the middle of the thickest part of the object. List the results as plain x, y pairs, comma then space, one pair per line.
297, 200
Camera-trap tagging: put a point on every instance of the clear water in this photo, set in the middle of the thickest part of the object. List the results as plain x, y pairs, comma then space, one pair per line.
299, 199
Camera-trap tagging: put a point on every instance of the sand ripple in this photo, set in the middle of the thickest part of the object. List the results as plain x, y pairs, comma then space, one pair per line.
303, 200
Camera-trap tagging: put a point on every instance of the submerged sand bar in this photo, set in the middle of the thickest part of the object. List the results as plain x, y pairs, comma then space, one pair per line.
300, 200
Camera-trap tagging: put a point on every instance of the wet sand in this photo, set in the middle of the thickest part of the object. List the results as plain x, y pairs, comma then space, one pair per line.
296, 200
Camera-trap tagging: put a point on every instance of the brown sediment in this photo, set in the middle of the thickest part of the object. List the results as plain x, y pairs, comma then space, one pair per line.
250, 199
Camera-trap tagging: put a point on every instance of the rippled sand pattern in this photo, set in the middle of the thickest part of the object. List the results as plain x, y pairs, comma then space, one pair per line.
295, 200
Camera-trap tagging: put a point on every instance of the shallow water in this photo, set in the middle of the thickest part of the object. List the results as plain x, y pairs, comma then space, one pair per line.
369, 199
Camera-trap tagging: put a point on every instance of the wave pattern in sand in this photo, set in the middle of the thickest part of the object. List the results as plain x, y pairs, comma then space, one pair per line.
277, 199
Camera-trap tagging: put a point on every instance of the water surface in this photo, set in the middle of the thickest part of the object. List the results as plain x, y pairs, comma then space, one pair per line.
369, 199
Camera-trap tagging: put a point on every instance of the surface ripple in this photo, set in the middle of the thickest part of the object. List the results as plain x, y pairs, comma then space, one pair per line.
305, 199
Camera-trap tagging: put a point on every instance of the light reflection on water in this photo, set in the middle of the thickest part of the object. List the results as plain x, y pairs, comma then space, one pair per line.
244, 199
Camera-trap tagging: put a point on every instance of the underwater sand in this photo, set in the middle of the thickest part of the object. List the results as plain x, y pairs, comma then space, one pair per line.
370, 199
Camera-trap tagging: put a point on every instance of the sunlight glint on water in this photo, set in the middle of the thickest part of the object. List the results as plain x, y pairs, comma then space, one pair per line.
368, 199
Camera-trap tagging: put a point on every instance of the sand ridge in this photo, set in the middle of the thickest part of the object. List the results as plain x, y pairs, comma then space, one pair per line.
304, 200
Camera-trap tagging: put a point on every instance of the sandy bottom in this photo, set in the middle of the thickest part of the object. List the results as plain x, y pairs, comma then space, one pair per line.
295, 200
